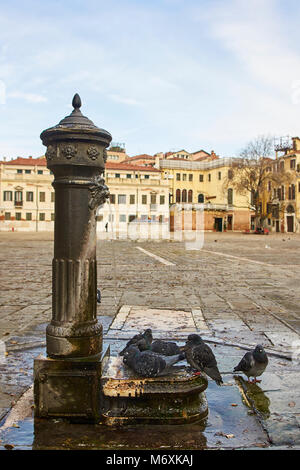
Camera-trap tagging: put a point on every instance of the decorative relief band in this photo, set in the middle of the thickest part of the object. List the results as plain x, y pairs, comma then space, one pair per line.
69, 151
51, 152
93, 152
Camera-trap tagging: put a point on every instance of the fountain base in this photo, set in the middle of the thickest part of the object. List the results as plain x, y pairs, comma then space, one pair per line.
69, 388
177, 398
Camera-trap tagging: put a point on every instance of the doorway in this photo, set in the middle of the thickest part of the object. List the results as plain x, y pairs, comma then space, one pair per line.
290, 223
218, 224
229, 222
277, 226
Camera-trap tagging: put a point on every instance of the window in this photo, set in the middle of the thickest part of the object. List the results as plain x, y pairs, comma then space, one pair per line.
7, 195
52, 217
200, 198
131, 199
29, 196
42, 197
293, 164
190, 196
184, 177
110, 217
292, 192
40, 172
177, 195
52, 196
27, 172
153, 198
117, 175
144, 217
161, 218
269, 186
28, 216
131, 218
7, 216
230, 174
144, 199
128, 175
122, 218
219, 175
190, 177
201, 178
162, 199
42, 216
209, 177
18, 196
18, 215
177, 176
230, 196
19, 171
112, 198
147, 177
184, 195
298, 167
121, 198
281, 165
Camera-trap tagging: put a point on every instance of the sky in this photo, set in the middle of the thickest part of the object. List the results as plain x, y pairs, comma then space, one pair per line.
159, 75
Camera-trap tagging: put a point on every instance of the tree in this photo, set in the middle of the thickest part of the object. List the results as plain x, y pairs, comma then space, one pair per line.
255, 173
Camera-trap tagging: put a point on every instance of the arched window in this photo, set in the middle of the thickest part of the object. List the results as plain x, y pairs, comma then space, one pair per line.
190, 195
177, 195
184, 195
200, 198
230, 196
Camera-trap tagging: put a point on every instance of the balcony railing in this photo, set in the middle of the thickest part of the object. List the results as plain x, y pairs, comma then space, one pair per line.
18, 203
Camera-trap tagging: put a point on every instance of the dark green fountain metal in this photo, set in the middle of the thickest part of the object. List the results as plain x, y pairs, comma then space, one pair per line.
77, 380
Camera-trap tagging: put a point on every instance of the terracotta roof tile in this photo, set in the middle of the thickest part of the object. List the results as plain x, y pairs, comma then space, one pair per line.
41, 161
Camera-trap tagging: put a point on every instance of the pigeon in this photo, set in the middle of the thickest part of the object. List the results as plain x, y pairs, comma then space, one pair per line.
148, 363
166, 348
200, 357
253, 363
98, 296
144, 341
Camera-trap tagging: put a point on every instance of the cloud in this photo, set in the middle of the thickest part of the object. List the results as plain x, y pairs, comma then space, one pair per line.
30, 97
124, 100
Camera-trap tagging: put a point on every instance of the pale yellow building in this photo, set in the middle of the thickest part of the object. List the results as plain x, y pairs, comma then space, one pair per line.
284, 200
201, 183
26, 195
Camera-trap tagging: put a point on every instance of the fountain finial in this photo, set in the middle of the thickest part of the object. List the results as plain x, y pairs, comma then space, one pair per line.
76, 102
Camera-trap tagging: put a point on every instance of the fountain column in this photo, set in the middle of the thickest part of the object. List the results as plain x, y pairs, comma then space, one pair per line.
76, 154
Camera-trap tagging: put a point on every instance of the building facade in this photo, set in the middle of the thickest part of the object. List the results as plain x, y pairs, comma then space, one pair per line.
282, 203
199, 185
26, 195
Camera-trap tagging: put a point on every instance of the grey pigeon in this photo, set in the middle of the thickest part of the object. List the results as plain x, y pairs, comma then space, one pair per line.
98, 296
253, 363
200, 357
148, 363
167, 348
142, 340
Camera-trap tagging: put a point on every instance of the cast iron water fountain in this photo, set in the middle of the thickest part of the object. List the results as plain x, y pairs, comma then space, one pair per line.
78, 380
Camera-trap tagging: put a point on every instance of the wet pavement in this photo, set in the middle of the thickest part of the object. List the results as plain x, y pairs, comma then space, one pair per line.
235, 292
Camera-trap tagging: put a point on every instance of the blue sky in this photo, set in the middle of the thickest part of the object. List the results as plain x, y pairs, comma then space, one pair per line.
159, 75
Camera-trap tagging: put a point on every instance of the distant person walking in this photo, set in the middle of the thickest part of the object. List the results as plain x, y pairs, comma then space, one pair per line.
106, 226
